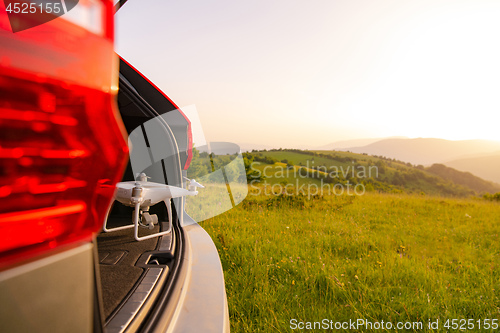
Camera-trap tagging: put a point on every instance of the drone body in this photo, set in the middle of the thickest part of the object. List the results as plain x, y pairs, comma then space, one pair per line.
142, 194
149, 193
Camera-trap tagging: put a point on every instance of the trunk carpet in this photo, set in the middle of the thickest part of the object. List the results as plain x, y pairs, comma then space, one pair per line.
119, 278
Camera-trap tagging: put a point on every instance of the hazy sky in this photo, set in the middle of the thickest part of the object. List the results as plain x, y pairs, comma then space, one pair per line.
307, 73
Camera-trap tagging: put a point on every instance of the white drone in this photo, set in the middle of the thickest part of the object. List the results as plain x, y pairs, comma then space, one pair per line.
142, 194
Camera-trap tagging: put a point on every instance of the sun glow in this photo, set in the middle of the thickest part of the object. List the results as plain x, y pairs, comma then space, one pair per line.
437, 76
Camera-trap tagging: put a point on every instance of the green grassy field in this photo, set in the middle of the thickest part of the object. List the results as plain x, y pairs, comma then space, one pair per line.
390, 257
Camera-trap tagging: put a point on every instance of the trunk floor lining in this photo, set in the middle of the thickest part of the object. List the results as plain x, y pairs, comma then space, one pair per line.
118, 279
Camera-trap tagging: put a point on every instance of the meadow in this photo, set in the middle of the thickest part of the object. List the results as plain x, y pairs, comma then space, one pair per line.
378, 256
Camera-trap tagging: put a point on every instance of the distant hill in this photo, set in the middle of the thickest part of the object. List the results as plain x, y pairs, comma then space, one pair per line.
464, 178
245, 146
427, 151
339, 145
486, 167
391, 175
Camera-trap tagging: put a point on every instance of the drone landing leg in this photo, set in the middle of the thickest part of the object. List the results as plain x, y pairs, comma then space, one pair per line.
168, 203
106, 229
135, 220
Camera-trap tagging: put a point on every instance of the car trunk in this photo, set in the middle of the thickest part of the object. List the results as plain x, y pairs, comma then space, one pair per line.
131, 271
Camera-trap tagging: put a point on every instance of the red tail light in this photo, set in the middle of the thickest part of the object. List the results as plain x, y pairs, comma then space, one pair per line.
60, 139
190, 145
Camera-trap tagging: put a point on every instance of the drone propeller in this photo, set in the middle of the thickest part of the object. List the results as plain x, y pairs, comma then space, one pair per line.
142, 177
193, 184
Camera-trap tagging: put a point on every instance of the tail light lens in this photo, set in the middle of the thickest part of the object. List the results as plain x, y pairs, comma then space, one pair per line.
62, 147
